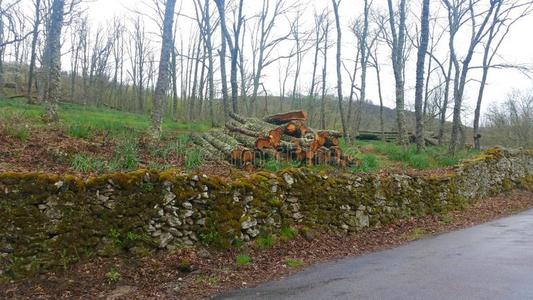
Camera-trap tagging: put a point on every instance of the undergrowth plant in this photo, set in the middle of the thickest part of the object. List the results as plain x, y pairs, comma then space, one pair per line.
265, 242
19, 131
194, 158
87, 163
294, 262
243, 260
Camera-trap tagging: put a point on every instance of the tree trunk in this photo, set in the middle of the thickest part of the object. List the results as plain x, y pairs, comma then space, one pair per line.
53, 63
210, 73
419, 88
222, 53
33, 55
324, 78
444, 110
163, 78
398, 64
339, 70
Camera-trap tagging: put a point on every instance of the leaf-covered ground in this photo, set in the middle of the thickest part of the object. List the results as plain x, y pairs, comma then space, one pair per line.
195, 273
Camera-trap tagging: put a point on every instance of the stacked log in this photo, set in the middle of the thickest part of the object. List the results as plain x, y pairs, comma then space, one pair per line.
244, 141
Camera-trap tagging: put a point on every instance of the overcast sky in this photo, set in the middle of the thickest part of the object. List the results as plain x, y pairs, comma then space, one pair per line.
517, 49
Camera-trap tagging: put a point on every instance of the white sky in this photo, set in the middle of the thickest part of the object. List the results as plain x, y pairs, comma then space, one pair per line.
517, 49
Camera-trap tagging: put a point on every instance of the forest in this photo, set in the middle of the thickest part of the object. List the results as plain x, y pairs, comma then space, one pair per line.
143, 62
165, 149
200, 64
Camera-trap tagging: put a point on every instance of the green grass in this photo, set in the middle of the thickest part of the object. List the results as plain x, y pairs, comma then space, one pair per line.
243, 260
125, 156
83, 121
193, 158
369, 163
287, 233
78, 130
265, 242
125, 128
87, 163
19, 131
416, 234
275, 166
294, 262
381, 155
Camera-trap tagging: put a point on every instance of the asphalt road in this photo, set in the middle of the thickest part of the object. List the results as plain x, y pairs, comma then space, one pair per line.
490, 261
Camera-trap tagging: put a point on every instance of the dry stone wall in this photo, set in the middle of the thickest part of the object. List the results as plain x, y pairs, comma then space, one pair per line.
50, 222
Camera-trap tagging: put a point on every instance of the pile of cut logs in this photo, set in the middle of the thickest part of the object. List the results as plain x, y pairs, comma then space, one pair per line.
284, 137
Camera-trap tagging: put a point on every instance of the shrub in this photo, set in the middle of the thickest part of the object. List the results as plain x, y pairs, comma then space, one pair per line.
113, 275
243, 260
185, 266
209, 238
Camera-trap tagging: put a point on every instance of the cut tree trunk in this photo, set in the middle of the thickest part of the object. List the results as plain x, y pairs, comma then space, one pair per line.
280, 119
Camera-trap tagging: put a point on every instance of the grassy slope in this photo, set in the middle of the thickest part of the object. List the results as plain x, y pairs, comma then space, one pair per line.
76, 117
87, 123
377, 155
120, 133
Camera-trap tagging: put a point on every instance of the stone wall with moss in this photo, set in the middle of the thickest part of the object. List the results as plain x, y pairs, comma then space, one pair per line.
49, 222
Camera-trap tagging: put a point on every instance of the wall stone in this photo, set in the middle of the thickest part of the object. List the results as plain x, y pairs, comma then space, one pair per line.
50, 221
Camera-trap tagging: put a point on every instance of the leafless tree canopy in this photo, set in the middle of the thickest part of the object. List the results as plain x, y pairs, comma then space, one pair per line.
202, 60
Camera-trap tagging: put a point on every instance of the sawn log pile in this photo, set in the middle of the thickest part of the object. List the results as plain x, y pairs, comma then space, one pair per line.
283, 137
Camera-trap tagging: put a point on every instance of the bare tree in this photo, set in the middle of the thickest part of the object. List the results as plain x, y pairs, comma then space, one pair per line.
336, 4
319, 36
374, 62
419, 89
138, 61
53, 61
33, 55
360, 29
301, 40
511, 123
500, 27
262, 47
325, 28
163, 78
207, 34
233, 43
398, 33
222, 53
459, 13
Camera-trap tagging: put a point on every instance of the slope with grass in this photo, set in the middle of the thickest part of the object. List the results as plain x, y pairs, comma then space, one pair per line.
89, 140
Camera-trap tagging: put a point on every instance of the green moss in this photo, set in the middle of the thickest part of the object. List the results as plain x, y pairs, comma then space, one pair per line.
527, 183
115, 222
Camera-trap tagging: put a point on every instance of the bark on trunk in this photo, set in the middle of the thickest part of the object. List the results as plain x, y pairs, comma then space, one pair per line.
53, 63
419, 89
163, 79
